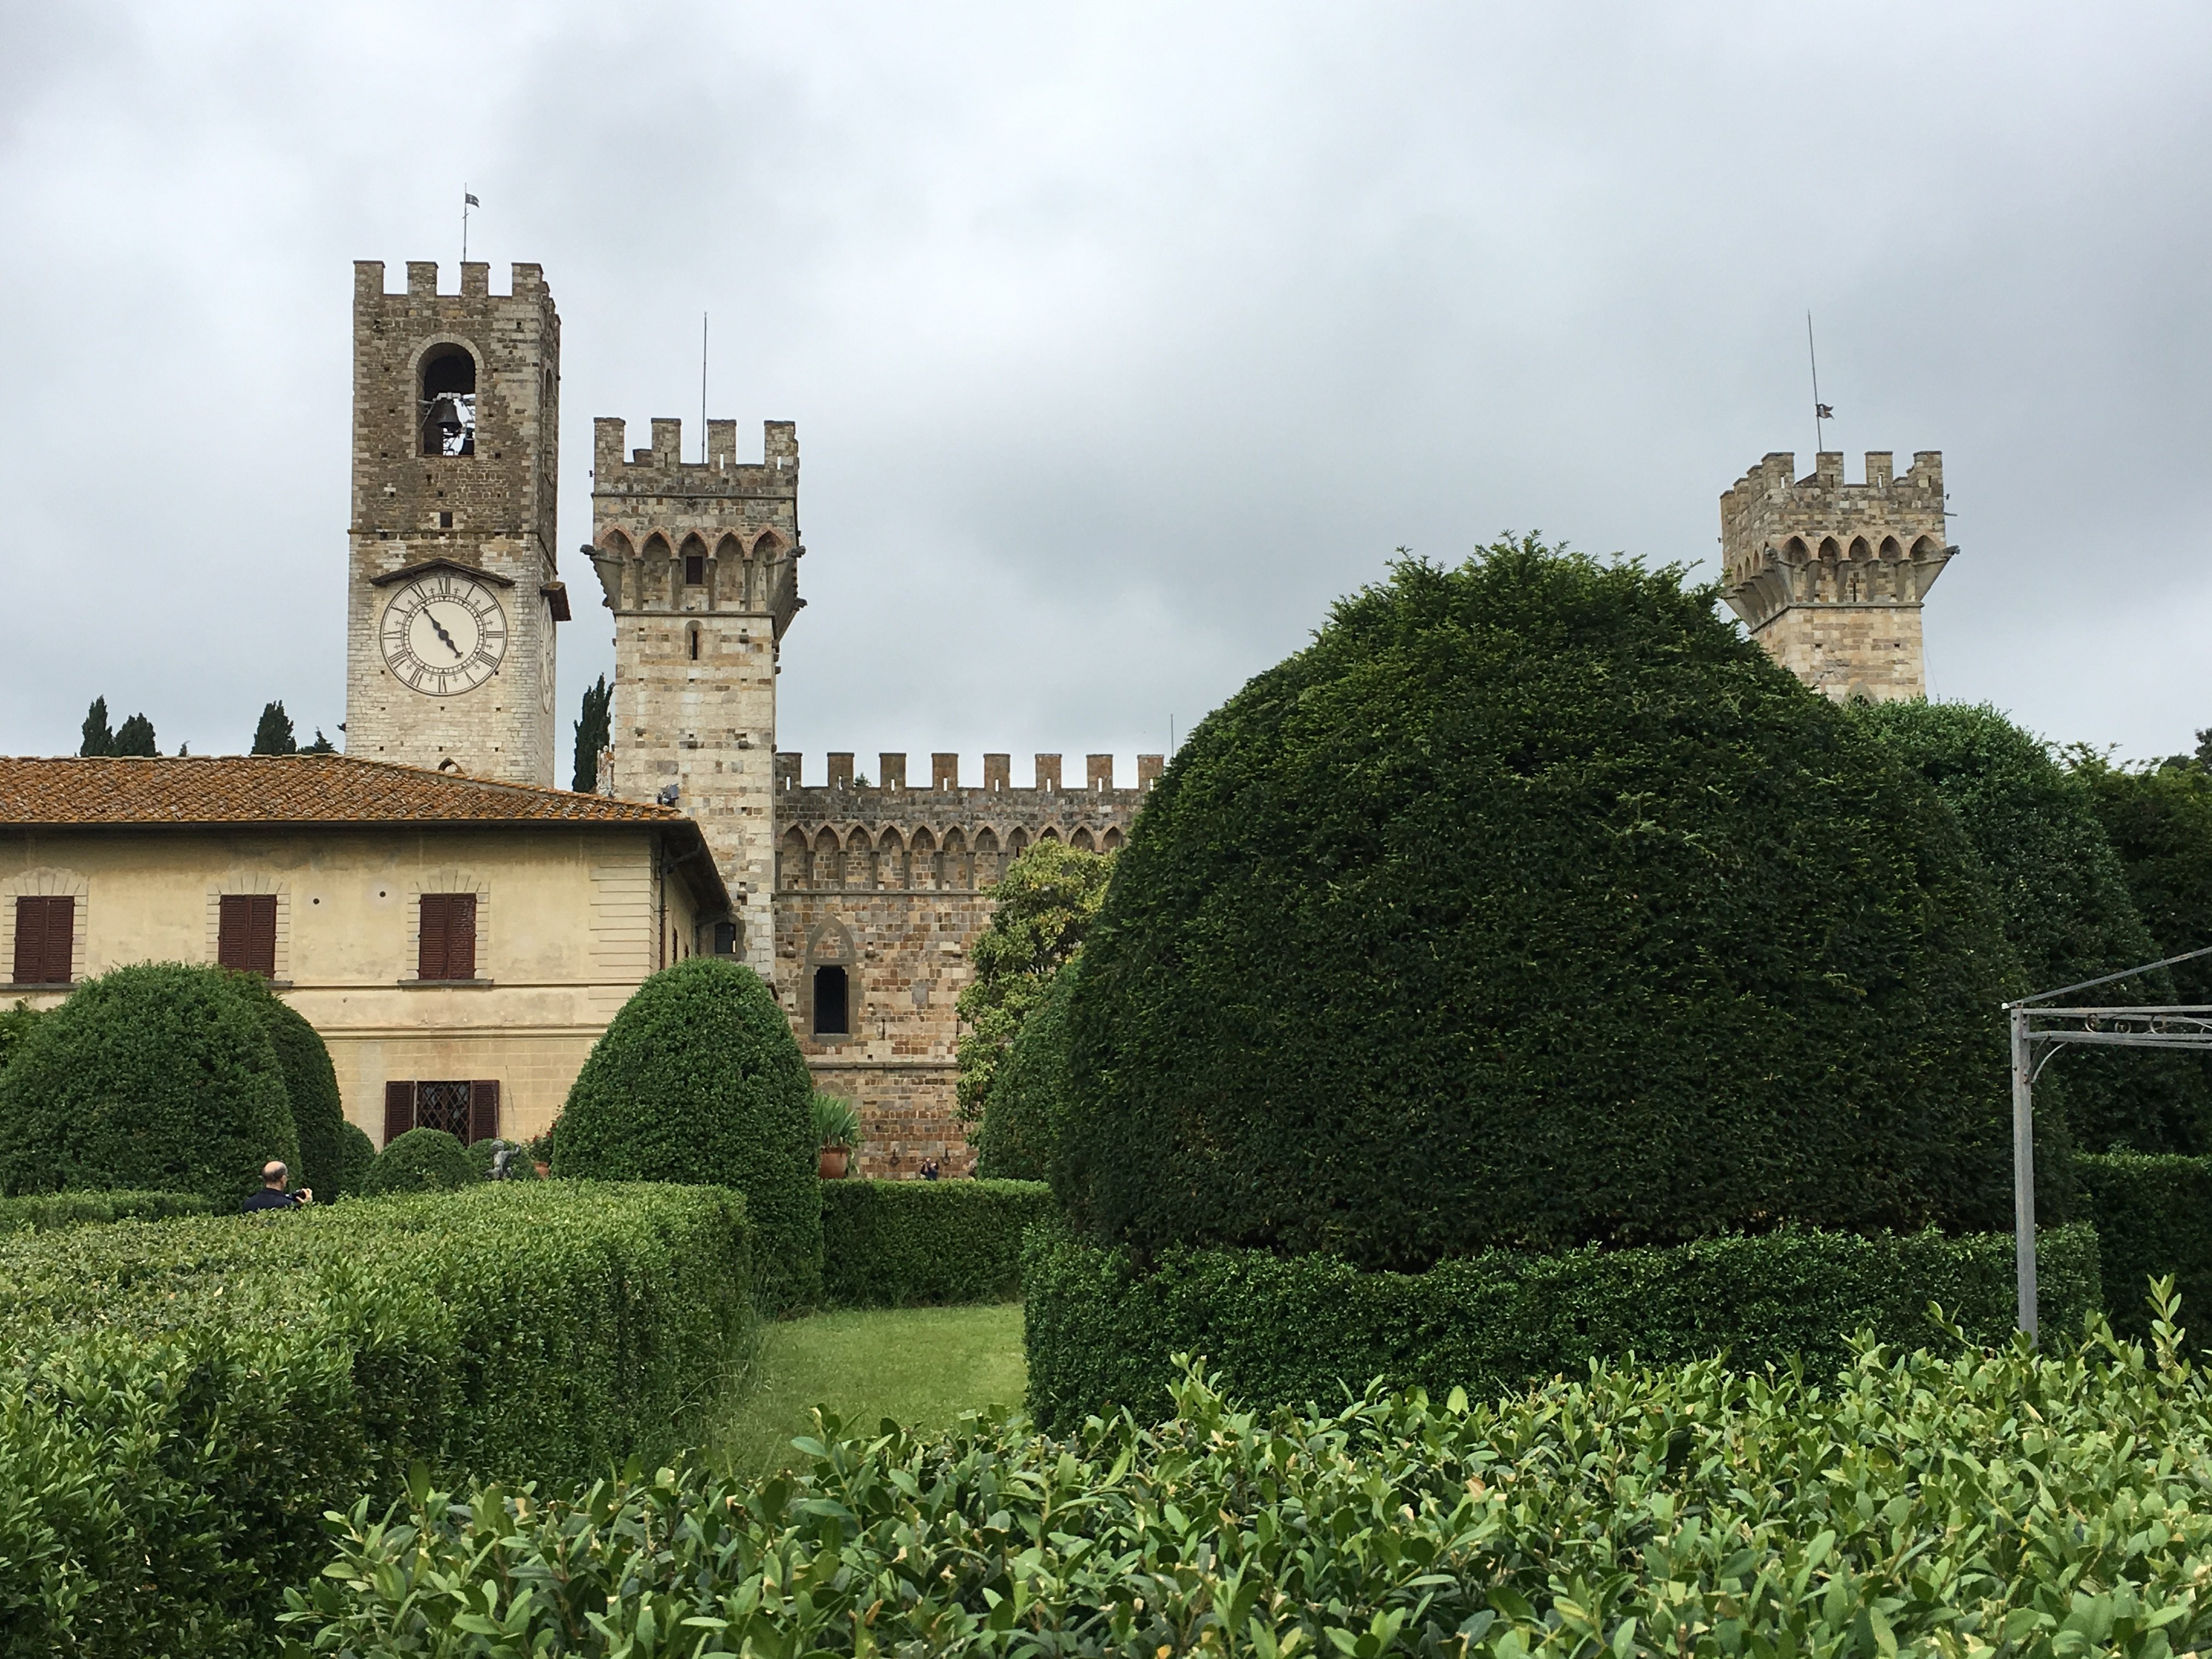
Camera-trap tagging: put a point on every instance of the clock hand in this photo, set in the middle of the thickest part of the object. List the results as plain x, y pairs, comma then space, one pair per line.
440, 632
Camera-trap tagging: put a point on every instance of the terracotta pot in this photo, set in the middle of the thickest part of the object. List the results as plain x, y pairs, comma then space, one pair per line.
834, 1162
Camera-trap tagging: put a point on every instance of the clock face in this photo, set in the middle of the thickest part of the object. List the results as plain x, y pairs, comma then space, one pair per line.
443, 634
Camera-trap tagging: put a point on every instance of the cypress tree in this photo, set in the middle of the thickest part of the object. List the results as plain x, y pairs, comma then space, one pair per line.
273, 734
97, 738
135, 737
594, 733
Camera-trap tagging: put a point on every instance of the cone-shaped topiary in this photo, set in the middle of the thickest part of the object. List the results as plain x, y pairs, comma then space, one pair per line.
698, 1079
420, 1160
311, 1085
1532, 904
159, 1077
2067, 911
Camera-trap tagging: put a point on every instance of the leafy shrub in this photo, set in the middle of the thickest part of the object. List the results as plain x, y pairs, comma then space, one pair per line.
186, 1398
2153, 1217
1976, 1503
835, 1123
1531, 905
1098, 1332
421, 1161
2067, 909
356, 1156
47, 1213
1042, 909
2160, 822
921, 1243
156, 1076
1029, 1093
311, 1086
699, 1080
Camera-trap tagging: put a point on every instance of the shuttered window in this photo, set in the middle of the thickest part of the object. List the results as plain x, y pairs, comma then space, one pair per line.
46, 934
468, 1111
448, 938
245, 933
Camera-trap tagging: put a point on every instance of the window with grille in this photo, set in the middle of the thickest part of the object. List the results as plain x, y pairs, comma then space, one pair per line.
448, 937
46, 936
245, 933
469, 1111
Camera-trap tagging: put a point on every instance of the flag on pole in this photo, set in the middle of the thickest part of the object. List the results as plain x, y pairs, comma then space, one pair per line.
1822, 412
469, 201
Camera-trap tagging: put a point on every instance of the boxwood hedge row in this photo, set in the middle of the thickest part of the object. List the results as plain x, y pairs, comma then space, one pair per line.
918, 1243
46, 1212
188, 1398
2153, 1216
1287, 1330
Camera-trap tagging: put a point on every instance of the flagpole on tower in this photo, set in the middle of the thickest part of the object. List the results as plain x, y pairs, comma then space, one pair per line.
1820, 411
467, 202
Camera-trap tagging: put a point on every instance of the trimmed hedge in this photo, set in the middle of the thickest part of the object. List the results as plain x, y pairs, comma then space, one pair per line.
311, 1086
356, 1156
160, 1075
920, 1243
1028, 1091
186, 1398
2153, 1216
421, 1161
1944, 1502
698, 1079
48, 1211
1532, 906
2067, 907
1284, 1331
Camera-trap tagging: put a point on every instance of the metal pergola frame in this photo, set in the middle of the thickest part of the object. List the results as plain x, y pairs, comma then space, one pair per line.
2153, 1026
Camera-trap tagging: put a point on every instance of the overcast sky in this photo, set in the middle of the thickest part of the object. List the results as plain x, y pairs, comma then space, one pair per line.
1121, 340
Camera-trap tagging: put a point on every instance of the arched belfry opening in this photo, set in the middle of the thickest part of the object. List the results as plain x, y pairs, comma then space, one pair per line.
449, 401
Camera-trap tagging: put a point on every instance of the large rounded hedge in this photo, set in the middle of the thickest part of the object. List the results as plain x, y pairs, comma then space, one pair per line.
311, 1085
1020, 1126
1533, 905
2066, 910
420, 1160
698, 1079
160, 1077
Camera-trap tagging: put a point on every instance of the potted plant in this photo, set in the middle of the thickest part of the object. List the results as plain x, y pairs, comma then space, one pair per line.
837, 1132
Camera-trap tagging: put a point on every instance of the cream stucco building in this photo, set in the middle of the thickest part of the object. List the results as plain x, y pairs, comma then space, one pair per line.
458, 943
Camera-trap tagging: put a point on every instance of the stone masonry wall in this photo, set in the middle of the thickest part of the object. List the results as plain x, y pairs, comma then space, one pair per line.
698, 560
1830, 577
491, 511
891, 884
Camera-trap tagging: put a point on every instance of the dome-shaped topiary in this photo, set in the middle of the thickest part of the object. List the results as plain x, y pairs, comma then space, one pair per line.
160, 1076
2067, 911
311, 1085
420, 1160
698, 1079
1532, 904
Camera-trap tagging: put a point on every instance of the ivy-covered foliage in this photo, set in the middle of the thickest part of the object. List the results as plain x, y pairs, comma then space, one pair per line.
1961, 1501
1101, 1336
2159, 821
926, 1244
184, 1399
1028, 1091
160, 1075
1531, 905
421, 1161
699, 1080
2067, 907
311, 1086
1043, 907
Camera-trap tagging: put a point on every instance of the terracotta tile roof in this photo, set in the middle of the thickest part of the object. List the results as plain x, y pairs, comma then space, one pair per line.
288, 789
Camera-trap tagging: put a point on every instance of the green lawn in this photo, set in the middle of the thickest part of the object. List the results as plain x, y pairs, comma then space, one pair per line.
920, 1366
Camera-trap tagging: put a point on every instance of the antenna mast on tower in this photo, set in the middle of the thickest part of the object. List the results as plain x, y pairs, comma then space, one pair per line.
1820, 411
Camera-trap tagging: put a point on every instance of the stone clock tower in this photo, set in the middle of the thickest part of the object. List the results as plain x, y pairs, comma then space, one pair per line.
452, 594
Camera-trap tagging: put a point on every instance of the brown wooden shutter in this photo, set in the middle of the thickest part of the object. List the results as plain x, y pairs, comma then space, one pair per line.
398, 1110
245, 933
484, 1111
431, 956
461, 936
46, 938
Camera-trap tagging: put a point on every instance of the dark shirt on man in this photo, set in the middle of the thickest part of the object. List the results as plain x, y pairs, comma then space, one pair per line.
271, 1198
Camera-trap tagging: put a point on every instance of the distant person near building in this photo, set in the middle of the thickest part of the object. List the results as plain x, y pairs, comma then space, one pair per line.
272, 1195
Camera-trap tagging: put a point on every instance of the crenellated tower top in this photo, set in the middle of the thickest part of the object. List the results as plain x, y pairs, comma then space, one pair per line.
1830, 577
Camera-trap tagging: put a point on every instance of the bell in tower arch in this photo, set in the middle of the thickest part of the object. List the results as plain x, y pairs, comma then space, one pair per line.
448, 402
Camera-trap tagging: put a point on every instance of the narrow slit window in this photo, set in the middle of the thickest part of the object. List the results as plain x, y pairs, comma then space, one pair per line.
830, 1012
695, 643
